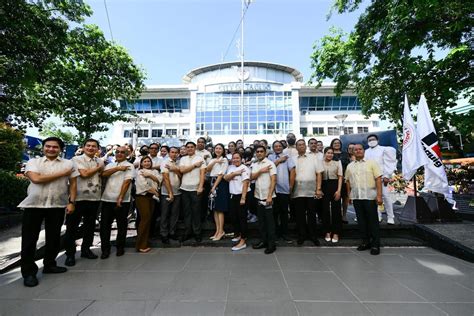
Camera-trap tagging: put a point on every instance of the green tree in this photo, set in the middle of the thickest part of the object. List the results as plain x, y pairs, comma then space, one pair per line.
86, 81
11, 147
398, 47
50, 129
34, 34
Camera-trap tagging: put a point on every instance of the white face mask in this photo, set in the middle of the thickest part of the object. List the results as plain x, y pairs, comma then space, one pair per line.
373, 143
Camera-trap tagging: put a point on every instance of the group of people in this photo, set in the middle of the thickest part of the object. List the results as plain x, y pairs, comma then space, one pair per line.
274, 183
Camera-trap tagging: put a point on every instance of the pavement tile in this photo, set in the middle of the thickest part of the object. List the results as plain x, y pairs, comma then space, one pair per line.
254, 262
42, 307
255, 285
435, 289
457, 309
119, 308
264, 308
210, 262
300, 262
349, 263
405, 309
378, 287
331, 308
166, 308
393, 263
317, 286
198, 286
165, 261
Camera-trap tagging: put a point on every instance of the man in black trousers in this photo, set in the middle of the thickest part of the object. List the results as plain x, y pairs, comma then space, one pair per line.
51, 194
364, 187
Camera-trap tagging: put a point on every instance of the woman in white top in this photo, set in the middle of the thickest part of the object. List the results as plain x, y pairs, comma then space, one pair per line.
219, 194
238, 176
148, 181
332, 185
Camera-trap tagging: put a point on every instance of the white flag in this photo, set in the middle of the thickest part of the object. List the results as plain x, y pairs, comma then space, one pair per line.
435, 174
413, 154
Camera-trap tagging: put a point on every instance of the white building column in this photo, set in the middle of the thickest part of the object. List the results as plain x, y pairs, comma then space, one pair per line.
192, 110
295, 104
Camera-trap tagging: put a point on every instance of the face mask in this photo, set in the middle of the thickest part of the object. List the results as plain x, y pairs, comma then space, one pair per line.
373, 143
291, 141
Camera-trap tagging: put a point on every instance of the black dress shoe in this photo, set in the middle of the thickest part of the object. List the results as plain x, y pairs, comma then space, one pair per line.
70, 261
300, 242
374, 251
105, 255
316, 242
120, 252
89, 255
363, 247
30, 281
270, 250
184, 238
198, 238
287, 239
165, 240
55, 269
259, 245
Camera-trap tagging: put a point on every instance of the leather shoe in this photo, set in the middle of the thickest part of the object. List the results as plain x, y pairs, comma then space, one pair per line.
54, 269
270, 250
260, 245
363, 247
300, 242
105, 255
184, 238
173, 237
120, 252
316, 242
198, 238
70, 261
30, 281
165, 240
89, 255
374, 251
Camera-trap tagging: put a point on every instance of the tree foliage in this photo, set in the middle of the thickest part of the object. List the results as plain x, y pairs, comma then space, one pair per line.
34, 34
86, 81
11, 147
50, 129
398, 47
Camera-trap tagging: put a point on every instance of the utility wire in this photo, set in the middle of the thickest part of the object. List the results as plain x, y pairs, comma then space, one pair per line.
108, 20
247, 4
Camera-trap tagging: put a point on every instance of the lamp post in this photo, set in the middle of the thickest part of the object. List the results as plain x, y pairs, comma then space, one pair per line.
341, 118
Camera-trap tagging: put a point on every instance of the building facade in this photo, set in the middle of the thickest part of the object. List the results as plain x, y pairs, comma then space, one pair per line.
210, 102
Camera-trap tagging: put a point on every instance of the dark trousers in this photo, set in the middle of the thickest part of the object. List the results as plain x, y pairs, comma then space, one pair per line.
266, 225
331, 211
87, 211
305, 217
368, 221
251, 200
145, 205
192, 212
110, 211
239, 215
169, 215
280, 213
155, 213
31, 227
204, 199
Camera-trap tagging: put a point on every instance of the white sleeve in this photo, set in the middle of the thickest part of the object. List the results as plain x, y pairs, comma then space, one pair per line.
389, 161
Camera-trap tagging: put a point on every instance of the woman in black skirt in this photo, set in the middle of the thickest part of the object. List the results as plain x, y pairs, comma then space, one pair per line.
332, 184
219, 194
238, 176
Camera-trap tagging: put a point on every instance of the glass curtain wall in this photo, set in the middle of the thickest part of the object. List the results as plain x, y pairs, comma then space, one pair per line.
263, 113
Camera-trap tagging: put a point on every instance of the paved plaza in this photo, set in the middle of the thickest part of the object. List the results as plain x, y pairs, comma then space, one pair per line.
215, 281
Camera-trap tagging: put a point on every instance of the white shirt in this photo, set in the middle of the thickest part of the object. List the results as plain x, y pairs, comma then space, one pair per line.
88, 189
156, 161
307, 166
318, 155
115, 181
291, 151
143, 184
219, 168
175, 181
386, 158
190, 180
204, 153
262, 183
54, 194
235, 185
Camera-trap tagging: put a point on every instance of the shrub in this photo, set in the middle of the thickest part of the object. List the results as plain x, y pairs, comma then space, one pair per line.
13, 189
11, 148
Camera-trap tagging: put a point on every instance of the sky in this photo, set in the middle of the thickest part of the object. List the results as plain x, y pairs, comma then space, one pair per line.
169, 38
